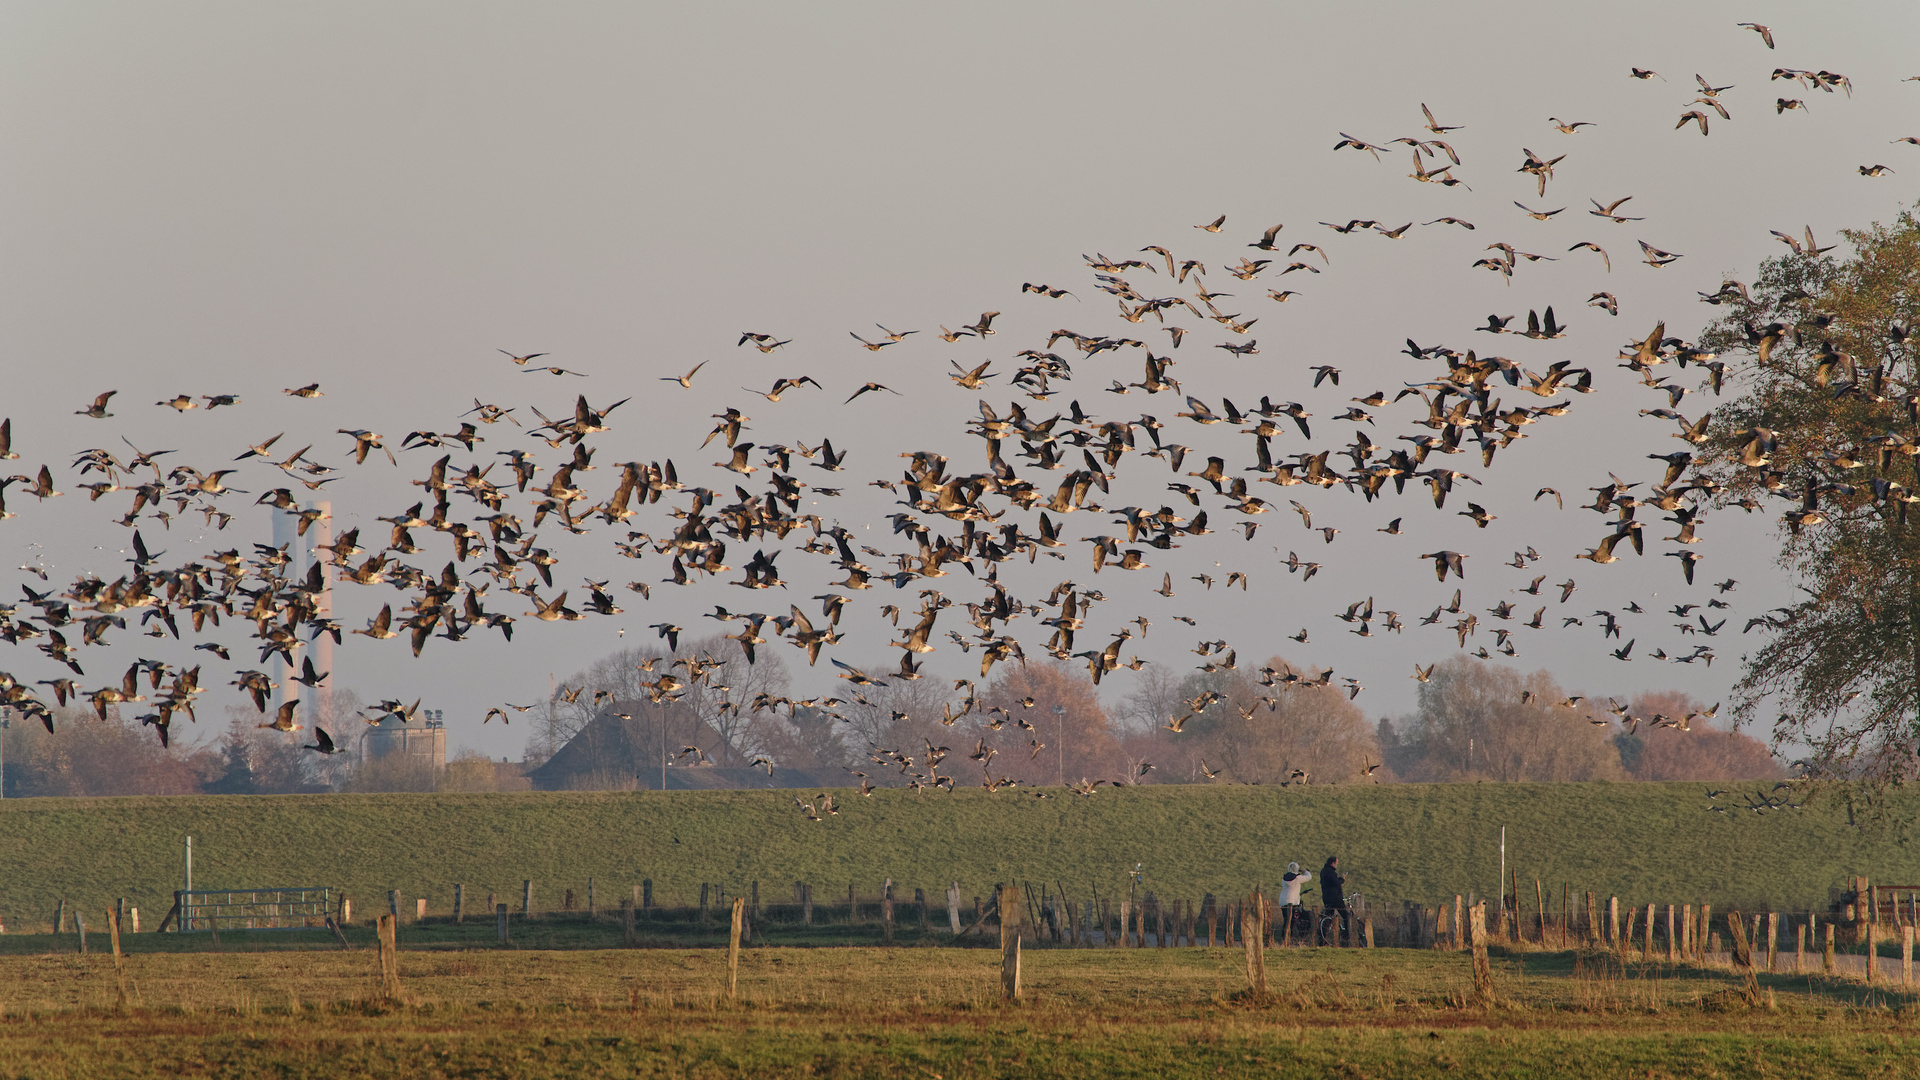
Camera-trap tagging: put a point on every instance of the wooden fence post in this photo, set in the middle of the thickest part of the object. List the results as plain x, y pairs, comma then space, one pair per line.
80, 924
526, 897
393, 902
1742, 955
500, 915
953, 907
119, 969
1126, 921
60, 916
1800, 949
1773, 938
733, 948
806, 906
1540, 910
1010, 942
1254, 935
1593, 919
1482, 969
1827, 958
920, 903
346, 911
459, 903
1459, 929
1906, 954
389, 958
1613, 921
886, 912
1673, 946
1700, 939
1646, 942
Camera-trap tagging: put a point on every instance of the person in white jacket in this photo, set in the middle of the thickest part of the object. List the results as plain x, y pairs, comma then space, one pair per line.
1290, 908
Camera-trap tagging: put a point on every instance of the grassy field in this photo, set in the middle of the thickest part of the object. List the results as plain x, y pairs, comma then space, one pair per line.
928, 1013
1644, 842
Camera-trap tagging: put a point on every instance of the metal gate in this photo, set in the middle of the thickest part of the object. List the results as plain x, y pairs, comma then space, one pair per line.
297, 907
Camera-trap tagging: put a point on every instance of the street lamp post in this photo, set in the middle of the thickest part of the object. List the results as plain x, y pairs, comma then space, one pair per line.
1060, 742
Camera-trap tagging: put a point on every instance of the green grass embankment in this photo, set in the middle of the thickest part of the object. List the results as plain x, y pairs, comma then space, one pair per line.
1643, 842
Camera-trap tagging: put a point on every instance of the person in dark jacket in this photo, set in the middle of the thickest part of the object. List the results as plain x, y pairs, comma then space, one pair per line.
1333, 896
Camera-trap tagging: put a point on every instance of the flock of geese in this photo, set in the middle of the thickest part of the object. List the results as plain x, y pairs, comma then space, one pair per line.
1069, 448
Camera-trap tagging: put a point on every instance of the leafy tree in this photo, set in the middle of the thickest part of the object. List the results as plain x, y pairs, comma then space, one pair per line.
1826, 431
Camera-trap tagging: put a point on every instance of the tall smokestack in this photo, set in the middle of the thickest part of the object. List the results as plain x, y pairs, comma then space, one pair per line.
302, 555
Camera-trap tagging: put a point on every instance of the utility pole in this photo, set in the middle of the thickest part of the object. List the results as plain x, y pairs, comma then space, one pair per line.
1060, 738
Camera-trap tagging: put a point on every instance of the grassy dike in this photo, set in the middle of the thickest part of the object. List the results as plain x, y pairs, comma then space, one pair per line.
1644, 842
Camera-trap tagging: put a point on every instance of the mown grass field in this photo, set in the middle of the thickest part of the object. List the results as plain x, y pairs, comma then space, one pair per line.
1644, 842
929, 1013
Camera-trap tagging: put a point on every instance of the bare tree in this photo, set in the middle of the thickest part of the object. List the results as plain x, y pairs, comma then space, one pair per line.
1482, 721
1705, 751
1053, 729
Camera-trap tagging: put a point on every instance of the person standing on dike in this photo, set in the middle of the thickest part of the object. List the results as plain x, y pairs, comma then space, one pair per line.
1333, 896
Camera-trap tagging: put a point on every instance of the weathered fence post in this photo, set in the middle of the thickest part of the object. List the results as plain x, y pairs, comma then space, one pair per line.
119, 969
80, 924
1126, 921
389, 958
1800, 949
1773, 938
1593, 919
953, 907
1742, 955
393, 902
1459, 913
1482, 969
1540, 910
60, 916
500, 915
886, 911
1254, 935
733, 948
526, 897
1906, 954
1010, 942
346, 911
1701, 939
1646, 941
1613, 921
459, 903
1827, 958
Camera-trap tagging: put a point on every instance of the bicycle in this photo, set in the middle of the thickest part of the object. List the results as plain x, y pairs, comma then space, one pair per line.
1330, 919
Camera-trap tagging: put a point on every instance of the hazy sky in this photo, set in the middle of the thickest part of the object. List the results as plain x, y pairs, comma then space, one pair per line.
236, 198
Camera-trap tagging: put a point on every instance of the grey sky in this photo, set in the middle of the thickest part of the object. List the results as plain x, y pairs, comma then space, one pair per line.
210, 198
